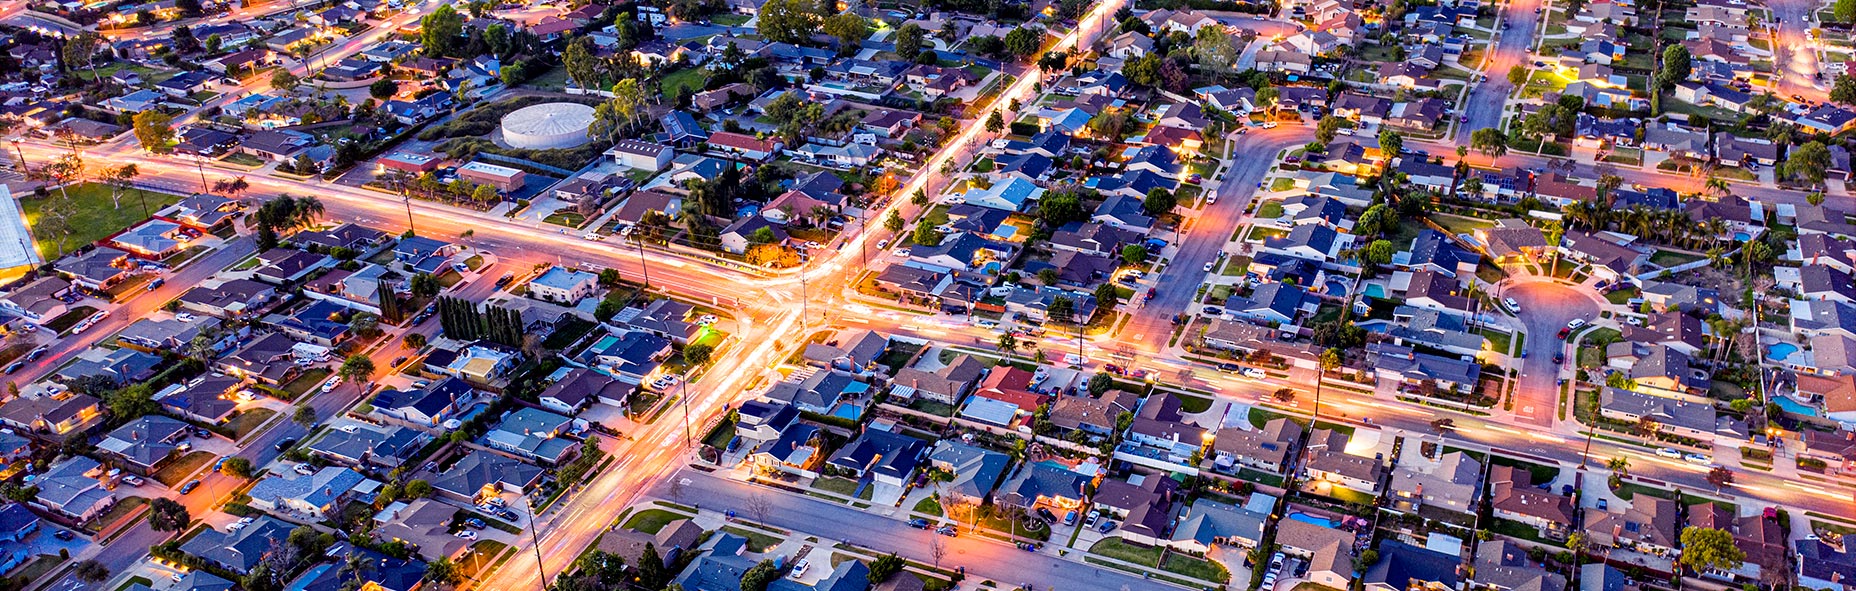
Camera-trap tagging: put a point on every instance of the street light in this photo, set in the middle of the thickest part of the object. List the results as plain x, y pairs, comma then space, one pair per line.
22, 156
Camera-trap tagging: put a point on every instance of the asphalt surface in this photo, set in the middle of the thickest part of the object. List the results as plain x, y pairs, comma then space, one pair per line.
1795, 58
833, 522
1252, 155
1546, 307
1486, 100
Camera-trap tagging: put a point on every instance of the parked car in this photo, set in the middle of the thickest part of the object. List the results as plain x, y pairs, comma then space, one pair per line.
285, 444
918, 523
475, 523
799, 568
467, 534
1228, 366
1669, 452
1252, 373
332, 384
1513, 306
189, 486
134, 480
64, 534
1695, 458
948, 530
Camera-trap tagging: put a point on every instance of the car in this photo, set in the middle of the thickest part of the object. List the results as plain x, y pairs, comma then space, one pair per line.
1208, 267
189, 486
1252, 373
421, 385
882, 244
467, 534
1669, 452
706, 319
1575, 323
1799, 98
134, 480
1344, 131
1105, 526
505, 279
235, 526
284, 444
37, 353
1563, 332
1559, 357
219, 465
799, 568
475, 523
305, 469
918, 523
1212, 200
1513, 306
1069, 518
247, 520
1633, 321
1695, 458
1603, 505
1228, 367
15, 366
1505, 25
332, 384
157, 283
64, 534
947, 530
903, 252
1269, 125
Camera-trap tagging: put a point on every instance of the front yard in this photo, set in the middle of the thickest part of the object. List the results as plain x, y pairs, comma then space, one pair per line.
92, 216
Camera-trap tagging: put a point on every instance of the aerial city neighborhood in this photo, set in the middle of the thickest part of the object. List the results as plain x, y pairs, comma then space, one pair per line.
795, 295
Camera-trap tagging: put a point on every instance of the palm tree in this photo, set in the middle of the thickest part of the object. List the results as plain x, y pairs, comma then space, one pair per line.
1620, 465
1718, 186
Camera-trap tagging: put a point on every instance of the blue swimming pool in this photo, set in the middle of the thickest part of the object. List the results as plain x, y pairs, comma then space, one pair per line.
1780, 351
848, 411
1794, 406
1742, 236
1321, 521
1376, 290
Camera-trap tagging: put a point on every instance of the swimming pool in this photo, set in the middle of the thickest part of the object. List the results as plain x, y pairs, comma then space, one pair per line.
1375, 290
1742, 236
1780, 351
848, 411
1793, 406
1321, 521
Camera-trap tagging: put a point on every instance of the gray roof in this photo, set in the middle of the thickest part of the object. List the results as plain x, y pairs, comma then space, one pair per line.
976, 470
317, 490
1667, 411
1400, 564
240, 550
1207, 520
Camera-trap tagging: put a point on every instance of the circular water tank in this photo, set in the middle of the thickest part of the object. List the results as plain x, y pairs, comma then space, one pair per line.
548, 125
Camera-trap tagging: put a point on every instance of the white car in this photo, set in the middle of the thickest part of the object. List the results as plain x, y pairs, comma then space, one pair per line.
799, 568
184, 317
1694, 458
1269, 125
332, 384
305, 469
467, 534
1513, 306
1073, 359
1669, 452
882, 244
1576, 323
1252, 373
902, 252
235, 526
1208, 267
1633, 321
594, 236
706, 319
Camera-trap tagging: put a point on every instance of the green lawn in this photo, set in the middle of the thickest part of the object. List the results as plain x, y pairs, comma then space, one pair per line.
92, 215
1460, 224
243, 159
691, 78
123, 507
242, 424
649, 521
928, 506
1117, 549
571, 219
1666, 258
69, 319
1270, 209
757, 542
1197, 568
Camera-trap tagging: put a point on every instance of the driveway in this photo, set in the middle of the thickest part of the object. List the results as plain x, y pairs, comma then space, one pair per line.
1546, 307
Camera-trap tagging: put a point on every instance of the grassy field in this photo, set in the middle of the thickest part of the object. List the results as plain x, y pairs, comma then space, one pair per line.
242, 424
310, 378
93, 217
691, 78
757, 542
928, 506
1117, 549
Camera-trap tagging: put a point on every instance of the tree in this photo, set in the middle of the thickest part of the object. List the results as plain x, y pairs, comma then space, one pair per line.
1706, 548
1378, 252
130, 402
1844, 90
1215, 49
893, 222
1025, 41
1518, 75
424, 285
418, 489
1720, 477
1134, 255
165, 514
1101, 382
909, 40
383, 88
760, 575
1108, 296
304, 414
1391, 143
1843, 11
849, 29
356, 367
788, 21
440, 30
1677, 63
413, 340
154, 129
92, 571
283, 80
1061, 309
1619, 465
1159, 202
884, 567
1327, 128
443, 571
1807, 162
927, 235
697, 354
237, 467
1008, 342
1490, 141
995, 123
581, 65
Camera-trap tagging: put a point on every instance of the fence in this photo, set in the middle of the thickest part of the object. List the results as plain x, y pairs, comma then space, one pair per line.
513, 161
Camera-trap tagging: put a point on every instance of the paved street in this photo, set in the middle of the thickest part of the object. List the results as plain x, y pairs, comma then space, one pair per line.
1546, 307
834, 521
1487, 100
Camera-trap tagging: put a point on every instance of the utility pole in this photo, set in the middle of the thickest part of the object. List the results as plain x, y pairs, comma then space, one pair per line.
200, 165
407, 199
23, 169
639, 240
803, 311
683, 391
535, 538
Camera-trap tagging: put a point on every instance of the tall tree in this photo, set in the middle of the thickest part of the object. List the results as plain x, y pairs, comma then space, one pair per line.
439, 32
1706, 548
154, 129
